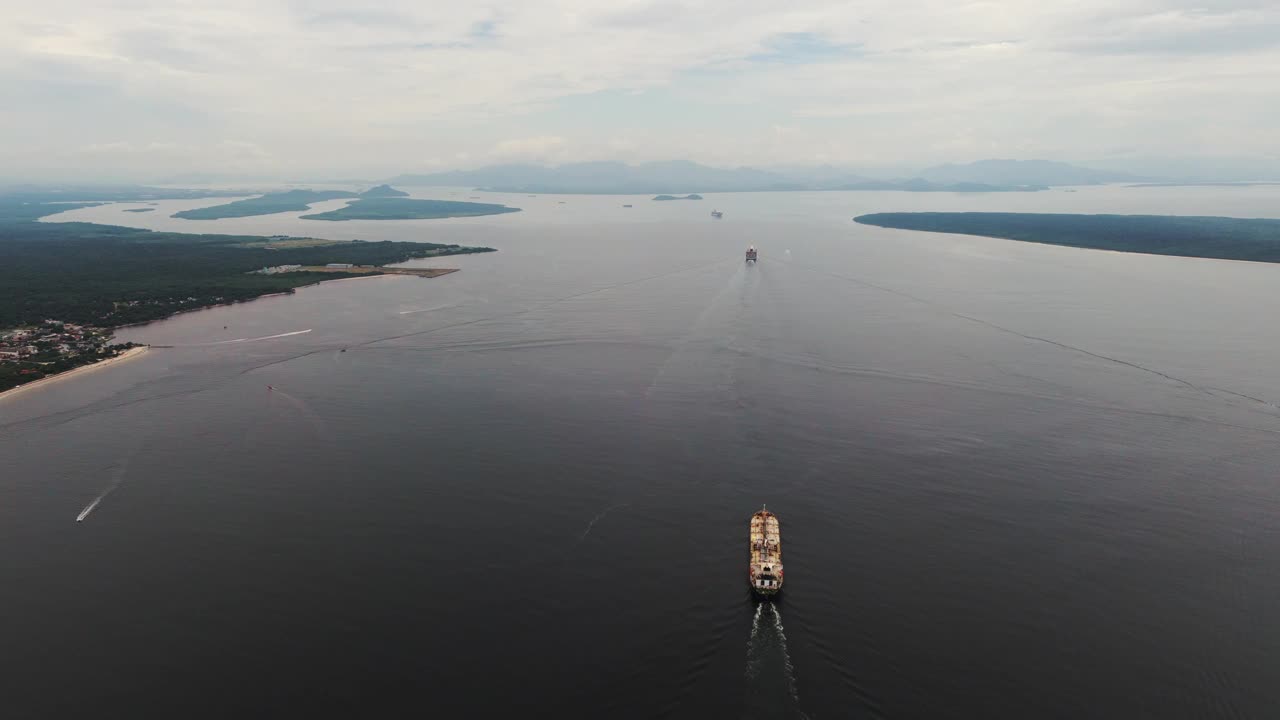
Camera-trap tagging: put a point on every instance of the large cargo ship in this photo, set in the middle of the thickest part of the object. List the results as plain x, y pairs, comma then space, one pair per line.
766, 553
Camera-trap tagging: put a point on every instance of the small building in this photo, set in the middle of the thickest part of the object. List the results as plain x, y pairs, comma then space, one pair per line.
339, 266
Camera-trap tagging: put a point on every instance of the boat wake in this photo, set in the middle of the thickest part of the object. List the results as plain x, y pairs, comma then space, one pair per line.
303, 409
598, 517
771, 680
116, 480
266, 337
430, 309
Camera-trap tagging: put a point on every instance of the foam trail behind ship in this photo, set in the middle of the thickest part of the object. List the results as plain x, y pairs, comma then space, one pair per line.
245, 340
305, 410
116, 480
598, 517
430, 309
770, 676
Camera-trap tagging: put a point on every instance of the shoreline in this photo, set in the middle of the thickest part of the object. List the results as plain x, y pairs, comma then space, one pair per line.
126, 355
291, 291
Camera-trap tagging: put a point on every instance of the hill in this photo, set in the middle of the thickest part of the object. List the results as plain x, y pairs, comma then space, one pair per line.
383, 191
608, 178
922, 185
1022, 172
680, 177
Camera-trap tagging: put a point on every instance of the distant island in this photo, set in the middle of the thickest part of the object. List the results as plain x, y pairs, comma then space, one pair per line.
407, 209
138, 210
63, 286
269, 204
1223, 238
383, 191
679, 197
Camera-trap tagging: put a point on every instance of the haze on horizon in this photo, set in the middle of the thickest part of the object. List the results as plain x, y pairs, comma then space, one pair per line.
136, 91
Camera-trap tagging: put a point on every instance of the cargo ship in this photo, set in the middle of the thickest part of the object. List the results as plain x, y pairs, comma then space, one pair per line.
766, 553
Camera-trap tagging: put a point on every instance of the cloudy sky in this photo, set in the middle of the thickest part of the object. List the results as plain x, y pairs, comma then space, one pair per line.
129, 89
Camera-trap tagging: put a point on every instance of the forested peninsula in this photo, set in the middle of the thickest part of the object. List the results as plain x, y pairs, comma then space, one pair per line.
1225, 238
269, 204
394, 208
96, 277
380, 203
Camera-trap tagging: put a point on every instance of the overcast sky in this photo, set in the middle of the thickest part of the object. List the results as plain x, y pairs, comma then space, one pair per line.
135, 90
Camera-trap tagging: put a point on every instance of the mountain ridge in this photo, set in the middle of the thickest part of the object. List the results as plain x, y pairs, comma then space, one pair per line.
682, 176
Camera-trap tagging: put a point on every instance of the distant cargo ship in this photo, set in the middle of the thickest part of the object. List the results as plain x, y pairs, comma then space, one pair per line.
716, 214
766, 553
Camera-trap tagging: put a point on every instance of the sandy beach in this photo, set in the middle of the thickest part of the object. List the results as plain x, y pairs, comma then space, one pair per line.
126, 355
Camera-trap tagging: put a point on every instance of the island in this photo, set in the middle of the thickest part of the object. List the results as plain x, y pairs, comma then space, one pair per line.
691, 196
138, 210
1224, 238
269, 204
383, 191
408, 209
64, 286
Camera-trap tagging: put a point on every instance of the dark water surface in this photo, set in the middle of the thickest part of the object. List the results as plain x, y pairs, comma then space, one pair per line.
1014, 480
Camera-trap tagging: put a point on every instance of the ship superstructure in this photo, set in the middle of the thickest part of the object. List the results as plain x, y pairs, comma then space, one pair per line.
766, 553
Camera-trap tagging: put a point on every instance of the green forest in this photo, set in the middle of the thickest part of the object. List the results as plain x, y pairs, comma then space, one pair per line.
1224, 238
405, 209
289, 201
106, 275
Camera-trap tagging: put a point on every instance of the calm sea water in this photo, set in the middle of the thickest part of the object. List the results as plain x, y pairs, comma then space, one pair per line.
1014, 480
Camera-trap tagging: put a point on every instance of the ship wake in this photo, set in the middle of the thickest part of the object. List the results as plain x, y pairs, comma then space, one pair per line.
116, 479
770, 676
248, 340
303, 409
599, 516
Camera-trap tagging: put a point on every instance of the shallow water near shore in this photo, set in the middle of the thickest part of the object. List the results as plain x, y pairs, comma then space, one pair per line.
1013, 480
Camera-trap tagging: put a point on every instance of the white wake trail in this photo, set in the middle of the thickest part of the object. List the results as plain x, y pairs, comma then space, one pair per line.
770, 675
89, 508
597, 518
115, 483
753, 663
267, 337
787, 667
303, 409
430, 309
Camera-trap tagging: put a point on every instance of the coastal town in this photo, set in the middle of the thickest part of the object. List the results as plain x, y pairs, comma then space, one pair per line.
33, 352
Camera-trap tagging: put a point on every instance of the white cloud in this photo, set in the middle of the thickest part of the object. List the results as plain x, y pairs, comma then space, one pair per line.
318, 86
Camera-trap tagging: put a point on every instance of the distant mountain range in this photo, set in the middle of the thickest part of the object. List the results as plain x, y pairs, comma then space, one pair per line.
615, 178
1024, 172
608, 178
